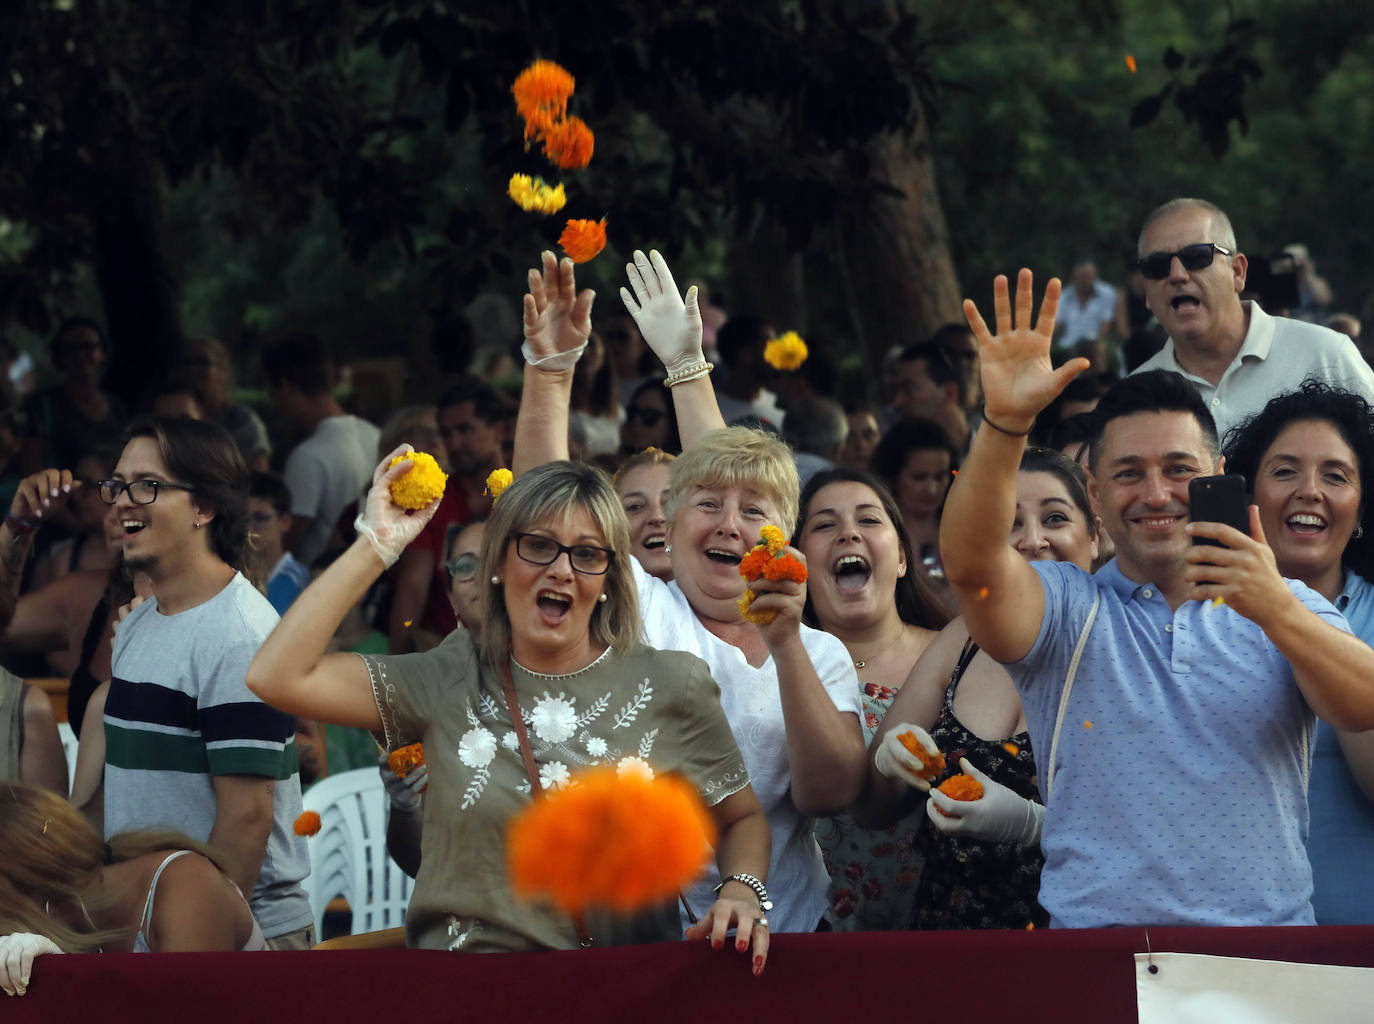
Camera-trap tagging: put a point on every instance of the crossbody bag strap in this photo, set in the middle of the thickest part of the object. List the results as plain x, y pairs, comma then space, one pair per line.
1068, 688
584, 937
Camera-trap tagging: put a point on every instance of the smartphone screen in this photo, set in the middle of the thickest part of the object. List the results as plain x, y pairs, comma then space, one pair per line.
1219, 499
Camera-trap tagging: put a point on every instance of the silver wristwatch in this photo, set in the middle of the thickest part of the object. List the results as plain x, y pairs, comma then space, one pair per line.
760, 890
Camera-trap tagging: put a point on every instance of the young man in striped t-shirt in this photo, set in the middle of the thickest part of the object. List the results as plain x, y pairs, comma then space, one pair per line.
187, 745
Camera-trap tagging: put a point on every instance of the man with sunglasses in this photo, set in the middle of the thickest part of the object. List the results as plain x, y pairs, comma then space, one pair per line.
1237, 355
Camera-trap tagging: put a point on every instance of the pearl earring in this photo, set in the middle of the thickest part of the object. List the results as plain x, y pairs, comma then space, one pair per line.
667, 549
601, 598
197, 524
496, 580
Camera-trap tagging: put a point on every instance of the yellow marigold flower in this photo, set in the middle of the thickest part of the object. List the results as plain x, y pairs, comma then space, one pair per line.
541, 95
619, 841
419, 486
569, 143
583, 239
498, 481
785, 353
534, 195
308, 824
773, 538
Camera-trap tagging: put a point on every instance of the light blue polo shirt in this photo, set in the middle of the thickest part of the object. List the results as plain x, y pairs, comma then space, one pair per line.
1180, 795
1341, 845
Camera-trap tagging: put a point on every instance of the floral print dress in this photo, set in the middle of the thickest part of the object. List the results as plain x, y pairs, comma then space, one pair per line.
968, 883
873, 872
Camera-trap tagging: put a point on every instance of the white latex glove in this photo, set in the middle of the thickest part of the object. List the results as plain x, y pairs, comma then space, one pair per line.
671, 326
16, 959
387, 526
896, 762
404, 792
1000, 816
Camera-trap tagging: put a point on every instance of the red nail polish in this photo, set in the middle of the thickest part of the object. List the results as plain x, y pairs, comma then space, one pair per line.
717, 944
758, 963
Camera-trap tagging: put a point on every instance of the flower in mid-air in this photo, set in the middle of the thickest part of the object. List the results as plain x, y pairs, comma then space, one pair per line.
541, 95
534, 195
569, 143
785, 353
583, 239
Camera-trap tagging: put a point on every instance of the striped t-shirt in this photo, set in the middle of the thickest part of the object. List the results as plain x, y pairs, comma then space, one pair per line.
180, 712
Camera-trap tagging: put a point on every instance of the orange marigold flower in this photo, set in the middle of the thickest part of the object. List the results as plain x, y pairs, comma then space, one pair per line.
784, 567
1087, 724
419, 486
932, 764
622, 842
308, 824
569, 143
541, 95
1011, 748
961, 787
1130, 63
751, 565
583, 239
404, 760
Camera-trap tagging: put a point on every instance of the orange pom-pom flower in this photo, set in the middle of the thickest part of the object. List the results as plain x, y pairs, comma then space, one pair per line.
960, 787
583, 239
404, 760
768, 559
308, 824
932, 764
569, 143
616, 841
541, 95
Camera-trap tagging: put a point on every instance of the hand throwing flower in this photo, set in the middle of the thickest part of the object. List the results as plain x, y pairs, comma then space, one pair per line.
785, 353
622, 841
768, 559
582, 240
419, 486
533, 195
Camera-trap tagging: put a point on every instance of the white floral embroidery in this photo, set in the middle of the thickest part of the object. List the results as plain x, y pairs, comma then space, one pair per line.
554, 718
630, 711
596, 746
554, 775
634, 766
477, 748
510, 741
646, 743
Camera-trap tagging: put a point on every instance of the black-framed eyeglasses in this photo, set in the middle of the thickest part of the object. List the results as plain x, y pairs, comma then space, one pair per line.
1157, 265
584, 558
463, 569
645, 414
141, 492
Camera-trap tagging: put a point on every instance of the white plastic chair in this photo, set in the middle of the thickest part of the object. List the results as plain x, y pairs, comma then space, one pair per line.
64, 730
348, 856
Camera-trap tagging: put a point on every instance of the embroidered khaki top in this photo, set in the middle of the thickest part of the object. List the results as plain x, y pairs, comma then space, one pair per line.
657, 707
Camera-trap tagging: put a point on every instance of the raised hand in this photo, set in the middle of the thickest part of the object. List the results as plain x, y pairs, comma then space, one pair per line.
557, 320
671, 324
387, 526
39, 496
1018, 377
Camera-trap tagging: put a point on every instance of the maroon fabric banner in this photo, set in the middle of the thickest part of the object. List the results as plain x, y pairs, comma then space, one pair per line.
1059, 976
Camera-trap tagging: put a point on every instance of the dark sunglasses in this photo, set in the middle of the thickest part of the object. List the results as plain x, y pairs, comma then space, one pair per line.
647, 415
1157, 265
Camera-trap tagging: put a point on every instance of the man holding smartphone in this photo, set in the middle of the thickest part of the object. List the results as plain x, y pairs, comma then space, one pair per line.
1233, 352
1170, 697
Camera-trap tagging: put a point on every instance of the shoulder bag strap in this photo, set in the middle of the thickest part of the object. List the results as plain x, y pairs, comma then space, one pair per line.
584, 937
1068, 688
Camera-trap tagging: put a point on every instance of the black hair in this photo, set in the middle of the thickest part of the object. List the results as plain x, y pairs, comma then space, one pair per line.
488, 404
1066, 471
1076, 430
940, 365
301, 360
1348, 413
271, 488
904, 437
204, 455
738, 336
1155, 391
656, 385
66, 327
918, 602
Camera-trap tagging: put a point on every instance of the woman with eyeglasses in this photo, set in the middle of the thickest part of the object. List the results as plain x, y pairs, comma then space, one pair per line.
556, 677
790, 692
650, 421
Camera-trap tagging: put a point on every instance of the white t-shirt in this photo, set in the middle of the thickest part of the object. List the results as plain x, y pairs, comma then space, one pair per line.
327, 471
797, 879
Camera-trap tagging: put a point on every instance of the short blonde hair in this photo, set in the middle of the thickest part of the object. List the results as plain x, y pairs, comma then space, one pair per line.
648, 457
738, 457
540, 495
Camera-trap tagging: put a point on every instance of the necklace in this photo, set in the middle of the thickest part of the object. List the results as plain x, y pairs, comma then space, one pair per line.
874, 657
561, 675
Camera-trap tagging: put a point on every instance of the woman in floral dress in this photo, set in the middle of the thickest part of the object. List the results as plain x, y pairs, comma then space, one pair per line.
560, 627
867, 588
